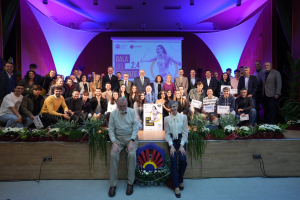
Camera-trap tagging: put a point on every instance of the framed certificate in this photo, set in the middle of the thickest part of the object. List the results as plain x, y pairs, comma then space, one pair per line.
245, 118
37, 122
223, 110
209, 109
233, 91
196, 104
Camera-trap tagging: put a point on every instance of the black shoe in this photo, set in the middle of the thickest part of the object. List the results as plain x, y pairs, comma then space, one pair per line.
177, 195
181, 188
112, 191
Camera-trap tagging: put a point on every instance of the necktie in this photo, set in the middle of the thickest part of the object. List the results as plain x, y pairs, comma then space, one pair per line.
109, 77
142, 79
126, 84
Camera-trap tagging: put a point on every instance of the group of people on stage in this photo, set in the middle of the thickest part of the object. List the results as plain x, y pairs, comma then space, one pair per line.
79, 96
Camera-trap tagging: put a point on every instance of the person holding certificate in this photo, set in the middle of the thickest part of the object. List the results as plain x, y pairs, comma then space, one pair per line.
176, 129
209, 109
226, 103
244, 108
196, 96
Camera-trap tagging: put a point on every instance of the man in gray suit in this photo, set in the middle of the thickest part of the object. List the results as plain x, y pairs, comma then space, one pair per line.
182, 81
141, 82
271, 90
126, 82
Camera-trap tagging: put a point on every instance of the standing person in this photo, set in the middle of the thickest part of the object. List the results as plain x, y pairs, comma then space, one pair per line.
101, 76
60, 83
249, 82
139, 110
28, 81
119, 75
193, 80
111, 106
8, 80
123, 129
259, 73
176, 134
49, 114
9, 111
227, 100
158, 84
197, 94
33, 67
216, 75
79, 75
183, 104
95, 84
85, 109
150, 96
45, 82
74, 104
126, 82
271, 91
210, 100
141, 82
31, 105
244, 105
181, 81
169, 95
69, 87
241, 68
110, 78
133, 96
235, 81
228, 71
210, 81
225, 80
162, 99
168, 85
98, 105
122, 92
76, 74
108, 93
83, 84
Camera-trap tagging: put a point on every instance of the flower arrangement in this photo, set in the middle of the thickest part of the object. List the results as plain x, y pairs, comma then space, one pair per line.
245, 131
229, 120
229, 129
270, 128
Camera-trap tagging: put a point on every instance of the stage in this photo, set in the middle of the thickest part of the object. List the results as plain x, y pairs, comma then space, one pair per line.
22, 160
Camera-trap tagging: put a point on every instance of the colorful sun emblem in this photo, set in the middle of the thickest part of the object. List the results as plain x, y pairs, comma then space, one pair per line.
118, 46
150, 157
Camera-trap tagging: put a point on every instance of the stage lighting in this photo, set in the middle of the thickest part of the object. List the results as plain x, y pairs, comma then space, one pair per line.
45, 1
107, 26
191, 2
144, 2
95, 2
72, 25
238, 2
143, 26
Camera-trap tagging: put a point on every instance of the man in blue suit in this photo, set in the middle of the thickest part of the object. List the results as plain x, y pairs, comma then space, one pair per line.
141, 82
150, 96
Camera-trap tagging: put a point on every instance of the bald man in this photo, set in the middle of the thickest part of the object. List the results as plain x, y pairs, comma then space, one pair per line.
141, 82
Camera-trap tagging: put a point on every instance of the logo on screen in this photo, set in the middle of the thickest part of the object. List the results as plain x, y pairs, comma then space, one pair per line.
118, 46
131, 46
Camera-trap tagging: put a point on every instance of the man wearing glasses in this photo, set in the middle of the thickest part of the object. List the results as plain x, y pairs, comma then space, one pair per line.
126, 82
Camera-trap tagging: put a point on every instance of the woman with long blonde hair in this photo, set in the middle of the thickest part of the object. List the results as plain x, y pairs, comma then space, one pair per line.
95, 84
183, 105
168, 85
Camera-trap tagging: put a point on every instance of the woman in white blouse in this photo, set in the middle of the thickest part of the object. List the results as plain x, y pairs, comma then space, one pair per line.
84, 85
176, 134
112, 105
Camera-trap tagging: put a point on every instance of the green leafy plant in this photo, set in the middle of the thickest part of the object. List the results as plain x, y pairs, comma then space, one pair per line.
218, 133
245, 131
65, 126
229, 120
98, 137
75, 134
197, 144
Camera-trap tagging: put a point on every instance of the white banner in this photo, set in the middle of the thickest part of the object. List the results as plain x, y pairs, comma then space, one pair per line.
153, 117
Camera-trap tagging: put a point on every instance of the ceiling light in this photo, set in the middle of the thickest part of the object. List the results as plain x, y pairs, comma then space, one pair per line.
95, 2
238, 2
45, 1
191, 2
144, 2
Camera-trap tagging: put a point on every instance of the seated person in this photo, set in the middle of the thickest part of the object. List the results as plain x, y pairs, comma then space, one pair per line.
98, 105
227, 100
210, 100
9, 111
183, 105
150, 96
123, 93
185, 96
75, 107
162, 99
85, 104
69, 87
112, 105
49, 114
139, 110
244, 105
196, 94
31, 105
108, 93
59, 82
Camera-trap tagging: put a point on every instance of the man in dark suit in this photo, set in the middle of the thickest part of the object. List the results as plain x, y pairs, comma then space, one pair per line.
126, 82
211, 82
271, 90
193, 80
8, 80
249, 82
141, 82
112, 79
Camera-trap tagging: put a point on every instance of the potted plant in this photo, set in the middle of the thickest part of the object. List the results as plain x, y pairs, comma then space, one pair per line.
218, 133
65, 127
271, 131
245, 132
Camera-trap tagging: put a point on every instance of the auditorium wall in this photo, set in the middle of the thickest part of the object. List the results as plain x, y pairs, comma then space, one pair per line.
98, 53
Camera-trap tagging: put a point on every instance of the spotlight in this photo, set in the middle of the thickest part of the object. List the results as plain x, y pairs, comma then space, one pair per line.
107, 26
238, 2
95, 2
45, 1
143, 26
179, 26
215, 26
191, 2
144, 2
72, 25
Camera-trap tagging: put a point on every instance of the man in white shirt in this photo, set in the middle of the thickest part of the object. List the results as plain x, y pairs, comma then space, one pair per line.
235, 81
9, 111
123, 129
